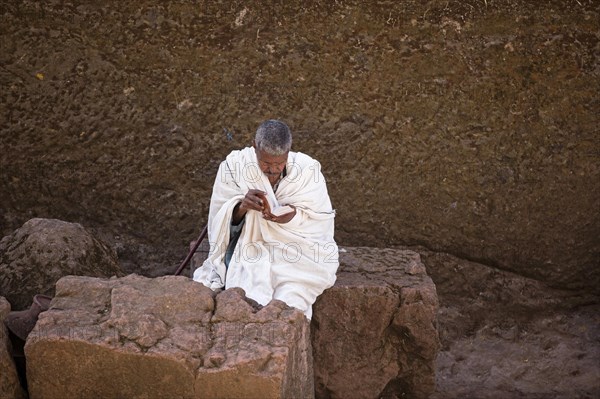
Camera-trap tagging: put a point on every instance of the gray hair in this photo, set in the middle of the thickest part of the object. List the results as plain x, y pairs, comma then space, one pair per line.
273, 137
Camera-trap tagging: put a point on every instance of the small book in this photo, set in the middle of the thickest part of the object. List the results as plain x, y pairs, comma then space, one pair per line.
282, 210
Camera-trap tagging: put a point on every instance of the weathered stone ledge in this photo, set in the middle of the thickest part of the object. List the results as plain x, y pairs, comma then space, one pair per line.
373, 335
165, 337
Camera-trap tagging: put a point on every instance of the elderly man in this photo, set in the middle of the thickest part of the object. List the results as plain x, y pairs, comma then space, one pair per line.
270, 223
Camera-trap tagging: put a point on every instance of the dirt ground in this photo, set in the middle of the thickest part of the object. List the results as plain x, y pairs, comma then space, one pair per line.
507, 336
466, 127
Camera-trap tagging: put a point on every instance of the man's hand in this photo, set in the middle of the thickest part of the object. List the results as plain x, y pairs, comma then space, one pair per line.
255, 200
281, 218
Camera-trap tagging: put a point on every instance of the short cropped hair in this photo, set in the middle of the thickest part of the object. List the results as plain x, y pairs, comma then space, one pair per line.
274, 137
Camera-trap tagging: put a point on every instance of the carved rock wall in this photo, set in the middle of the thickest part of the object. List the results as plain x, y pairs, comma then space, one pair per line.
466, 126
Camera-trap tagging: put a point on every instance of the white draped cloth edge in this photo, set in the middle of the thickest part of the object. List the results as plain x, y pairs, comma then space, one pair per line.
293, 262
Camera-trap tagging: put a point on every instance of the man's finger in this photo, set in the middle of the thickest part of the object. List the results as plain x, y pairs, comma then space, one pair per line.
249, 203
256, 192
262, 196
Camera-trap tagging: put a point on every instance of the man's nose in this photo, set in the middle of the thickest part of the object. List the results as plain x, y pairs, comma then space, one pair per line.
275, 169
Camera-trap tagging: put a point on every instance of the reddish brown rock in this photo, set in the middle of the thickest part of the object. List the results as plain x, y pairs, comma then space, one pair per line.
374, 332
35, 256
165, 337
9, 379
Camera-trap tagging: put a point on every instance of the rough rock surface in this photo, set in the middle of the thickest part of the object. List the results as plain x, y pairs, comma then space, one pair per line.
374, 333
166, 337
467, 126
10, 387
34, 257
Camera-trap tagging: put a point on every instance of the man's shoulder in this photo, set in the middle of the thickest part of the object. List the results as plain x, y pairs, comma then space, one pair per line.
304, 168
244, 155
303, 160
242, 152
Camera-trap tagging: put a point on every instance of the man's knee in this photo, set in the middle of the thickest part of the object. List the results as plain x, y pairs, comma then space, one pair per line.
292, 297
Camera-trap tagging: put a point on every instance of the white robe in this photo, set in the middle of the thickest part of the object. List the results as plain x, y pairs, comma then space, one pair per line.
293, 262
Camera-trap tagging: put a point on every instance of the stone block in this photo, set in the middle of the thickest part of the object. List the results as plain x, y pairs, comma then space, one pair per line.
374, 333
40, 252
137, 337
10, 387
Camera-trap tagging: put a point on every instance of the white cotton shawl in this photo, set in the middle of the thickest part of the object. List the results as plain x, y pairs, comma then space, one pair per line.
293, 262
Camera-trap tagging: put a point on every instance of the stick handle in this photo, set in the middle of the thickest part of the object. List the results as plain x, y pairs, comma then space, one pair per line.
192, 251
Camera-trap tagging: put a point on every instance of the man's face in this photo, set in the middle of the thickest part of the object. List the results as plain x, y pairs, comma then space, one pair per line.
271, 165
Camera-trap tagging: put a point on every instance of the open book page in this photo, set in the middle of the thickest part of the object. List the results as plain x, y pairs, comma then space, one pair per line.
282, 210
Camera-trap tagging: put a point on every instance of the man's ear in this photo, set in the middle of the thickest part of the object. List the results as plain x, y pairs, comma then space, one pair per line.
253, 143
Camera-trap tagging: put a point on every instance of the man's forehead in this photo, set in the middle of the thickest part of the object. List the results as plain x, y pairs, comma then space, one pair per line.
266, 157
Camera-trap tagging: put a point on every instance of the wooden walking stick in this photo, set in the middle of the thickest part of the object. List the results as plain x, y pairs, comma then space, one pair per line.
192, 251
